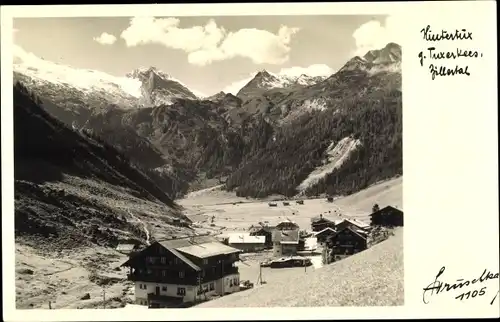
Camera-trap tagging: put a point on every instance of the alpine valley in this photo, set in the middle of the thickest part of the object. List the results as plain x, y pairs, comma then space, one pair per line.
100, 158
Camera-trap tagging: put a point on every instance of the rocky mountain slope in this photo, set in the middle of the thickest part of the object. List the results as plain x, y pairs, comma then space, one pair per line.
267, 139
264, 81
72, 189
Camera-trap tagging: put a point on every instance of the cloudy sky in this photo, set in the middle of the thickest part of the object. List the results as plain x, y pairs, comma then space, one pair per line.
209, 54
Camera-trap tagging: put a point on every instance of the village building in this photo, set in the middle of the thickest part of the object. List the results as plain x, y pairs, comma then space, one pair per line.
286, 225
285, 242
179, 271
319, 223
127, 247
388, 217
263, 230
357, 225
344, 243
247, 243
323, 235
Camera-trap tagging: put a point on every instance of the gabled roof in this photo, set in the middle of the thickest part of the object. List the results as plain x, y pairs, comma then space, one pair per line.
352, 230
324, 231
319, 219
382, 211
208, 249
197, 246
172, 250
355, 222
286, 236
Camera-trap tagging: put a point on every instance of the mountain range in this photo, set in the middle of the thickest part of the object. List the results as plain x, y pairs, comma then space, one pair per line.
264, 140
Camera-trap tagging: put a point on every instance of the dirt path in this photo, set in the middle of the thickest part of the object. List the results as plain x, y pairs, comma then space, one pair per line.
71, 266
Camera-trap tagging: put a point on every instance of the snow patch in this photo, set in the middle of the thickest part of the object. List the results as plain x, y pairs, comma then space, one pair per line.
337, 155
314, 104
391, 68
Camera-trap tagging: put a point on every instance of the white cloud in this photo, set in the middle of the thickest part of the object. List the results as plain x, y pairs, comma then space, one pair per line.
374, 35
105, 39
296, 71
209, 43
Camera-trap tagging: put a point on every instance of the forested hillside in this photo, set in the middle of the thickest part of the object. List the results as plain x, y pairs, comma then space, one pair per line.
284, 163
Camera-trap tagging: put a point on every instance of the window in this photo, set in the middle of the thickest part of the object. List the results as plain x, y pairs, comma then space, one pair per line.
164, 288
176, 261
205, 261
212, 286
205, 288
231, 283
203, 273
181, 291
149, 271
163, 260
163, 273
181, 274
214, 270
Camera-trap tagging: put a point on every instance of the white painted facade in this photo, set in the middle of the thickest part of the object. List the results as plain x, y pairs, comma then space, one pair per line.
228, 284
143, 288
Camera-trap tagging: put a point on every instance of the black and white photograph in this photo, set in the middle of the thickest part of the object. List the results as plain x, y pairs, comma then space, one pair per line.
159, 157
227, 161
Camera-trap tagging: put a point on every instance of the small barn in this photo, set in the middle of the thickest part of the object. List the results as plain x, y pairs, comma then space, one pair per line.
387, 217
246, 242
319, 223
127, 247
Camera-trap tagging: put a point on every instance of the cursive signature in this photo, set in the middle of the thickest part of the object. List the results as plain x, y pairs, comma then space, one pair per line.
439, 287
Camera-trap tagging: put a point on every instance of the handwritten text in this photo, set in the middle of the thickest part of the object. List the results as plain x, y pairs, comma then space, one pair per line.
439, 287
435, 54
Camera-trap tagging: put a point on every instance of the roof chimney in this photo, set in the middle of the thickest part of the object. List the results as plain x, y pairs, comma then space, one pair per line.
320, 215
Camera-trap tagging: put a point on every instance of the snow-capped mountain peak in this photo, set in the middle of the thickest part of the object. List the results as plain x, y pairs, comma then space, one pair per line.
43, 71
265, 80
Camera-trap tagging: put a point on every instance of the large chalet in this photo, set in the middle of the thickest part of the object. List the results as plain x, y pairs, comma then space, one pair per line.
179, 271
346, 242
388, 217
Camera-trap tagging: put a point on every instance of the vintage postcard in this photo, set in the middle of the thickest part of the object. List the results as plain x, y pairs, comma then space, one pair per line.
161, 160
